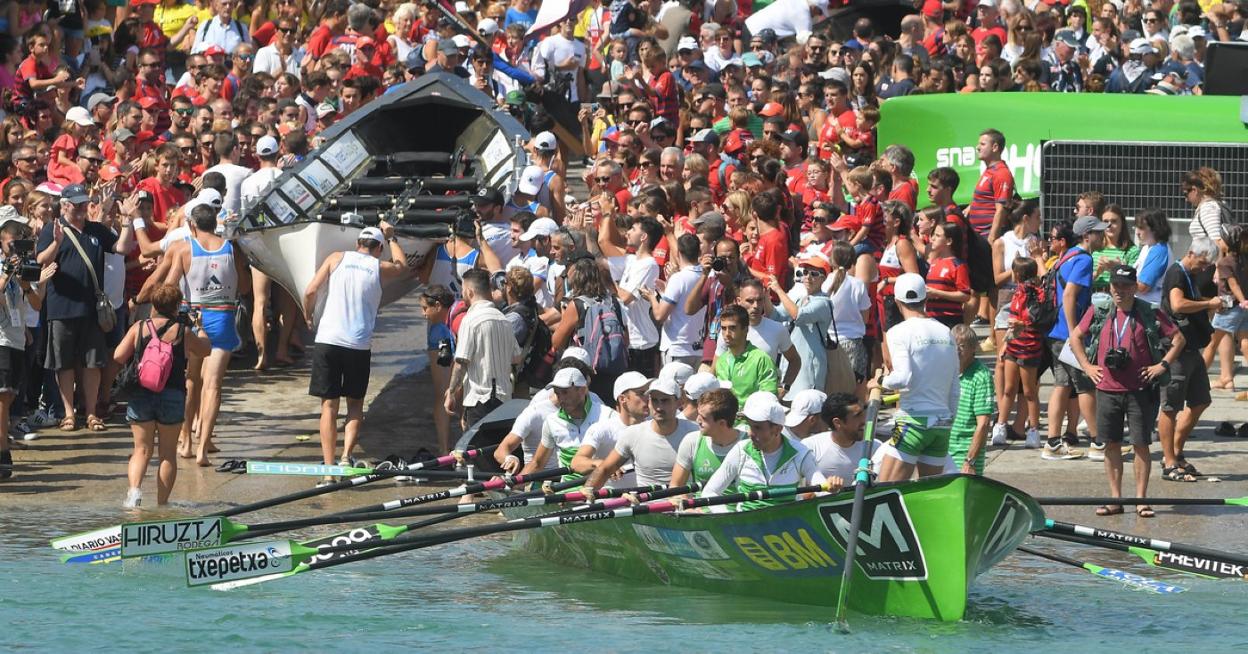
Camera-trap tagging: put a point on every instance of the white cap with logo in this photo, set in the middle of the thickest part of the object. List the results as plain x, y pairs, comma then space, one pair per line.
664, 386
676, 371
804, 404
531, 179
763, 407
569, 378
629, 381
540, 227
578, 353
910, 288
546, 142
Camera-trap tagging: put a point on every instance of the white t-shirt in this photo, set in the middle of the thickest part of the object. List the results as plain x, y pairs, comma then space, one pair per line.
925, 368
234, 176
269, 60
653, 455
528, 425
540, 268
834, 460
785, 17
682, 333
640, 272
254, 187
768, 335
498, 235
554, 50
602, 436
850, 301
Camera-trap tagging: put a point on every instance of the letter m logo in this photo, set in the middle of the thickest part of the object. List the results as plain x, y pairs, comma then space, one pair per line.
888, 547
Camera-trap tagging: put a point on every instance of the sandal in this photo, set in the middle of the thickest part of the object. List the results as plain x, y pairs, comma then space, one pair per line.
1242, 432
1177, 473
1225, 428
1108, 510
1145, 512
95, 424
1191, 469
69, 423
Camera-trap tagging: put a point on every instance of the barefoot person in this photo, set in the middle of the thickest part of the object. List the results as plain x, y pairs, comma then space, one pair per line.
156, 417
340, 367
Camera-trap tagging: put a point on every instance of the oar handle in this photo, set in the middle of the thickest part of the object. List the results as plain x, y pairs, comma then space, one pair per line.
1126, 540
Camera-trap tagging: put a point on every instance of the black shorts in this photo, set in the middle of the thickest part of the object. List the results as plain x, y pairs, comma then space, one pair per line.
75, 343
1189, 383
1025, 362
339, 372
12, 370
1134, 411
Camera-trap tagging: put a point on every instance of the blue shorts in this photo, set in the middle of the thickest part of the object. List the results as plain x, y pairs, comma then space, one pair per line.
1233, 321
167, 407
220, 329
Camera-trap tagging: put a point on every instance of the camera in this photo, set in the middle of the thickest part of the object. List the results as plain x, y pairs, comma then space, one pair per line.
445, 356
719, 264
1116, 358
1228, 301
187, 317
27, 268
465, 225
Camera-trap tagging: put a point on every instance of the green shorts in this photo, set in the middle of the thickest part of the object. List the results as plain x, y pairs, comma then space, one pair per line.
959, 445
918, 443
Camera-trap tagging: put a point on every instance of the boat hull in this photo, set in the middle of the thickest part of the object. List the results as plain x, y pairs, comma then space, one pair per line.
921, 545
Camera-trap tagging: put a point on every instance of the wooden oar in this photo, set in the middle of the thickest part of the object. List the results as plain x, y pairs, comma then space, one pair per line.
1200, 566
862, 479
1130, 579
1105, 535
104, 545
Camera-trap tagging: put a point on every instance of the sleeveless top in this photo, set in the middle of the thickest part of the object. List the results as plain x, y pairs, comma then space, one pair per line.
544, 197
706, 462
449, 271
212, 281
1013, 247
890, 266
177, 372
351, 303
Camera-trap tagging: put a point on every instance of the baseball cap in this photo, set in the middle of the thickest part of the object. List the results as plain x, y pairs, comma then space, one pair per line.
705, 136
751, 60
696, 65
709, 218
910, 287
1087, 224
794, 136
488, 195
803, 405
9, 214
214, 51
325, 109
121, 134
629, 381
686, 43
448, 46
515, 97
1197, 32
461, 41
676, 371
98, 98
145, 102
852, 44
702, 382
208, 196
540, 227
771, 109
763, 407
816, 260
578, 353
766, 35
531, 180
1142, 46
839, 74
1067, 37
734, 61
664, 386
569, 378
372, 234
414, 60
79, 116
545, 141
75, 194
487, 27
266, 146
986, 3
1122, 275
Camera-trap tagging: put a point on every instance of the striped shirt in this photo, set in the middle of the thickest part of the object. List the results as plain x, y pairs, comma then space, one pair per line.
995, 187
486, 349
975, 399
948, 274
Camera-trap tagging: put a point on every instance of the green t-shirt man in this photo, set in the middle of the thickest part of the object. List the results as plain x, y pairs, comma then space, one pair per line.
748, 373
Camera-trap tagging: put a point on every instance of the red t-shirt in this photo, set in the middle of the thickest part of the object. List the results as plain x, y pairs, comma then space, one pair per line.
906, 192
772, 255
151, 36
320, 41
164, 198
981, 33
1027, 342
949, 274
264, 34
995, 187
665, 96
870, 216
31, 69
828, 138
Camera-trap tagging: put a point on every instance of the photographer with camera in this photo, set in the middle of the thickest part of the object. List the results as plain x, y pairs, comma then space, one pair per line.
344, 334
23, 282
1128, 358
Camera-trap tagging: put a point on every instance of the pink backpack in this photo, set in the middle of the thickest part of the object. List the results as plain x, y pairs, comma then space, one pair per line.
157, 362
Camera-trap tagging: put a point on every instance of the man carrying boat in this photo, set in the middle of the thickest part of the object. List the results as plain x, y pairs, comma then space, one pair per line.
924, 367
563, 430
767, 460
631, 408
700, 454
651, 445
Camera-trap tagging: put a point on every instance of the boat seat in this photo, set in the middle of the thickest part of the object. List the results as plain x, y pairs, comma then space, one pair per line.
443, 184
382, 183
419, 157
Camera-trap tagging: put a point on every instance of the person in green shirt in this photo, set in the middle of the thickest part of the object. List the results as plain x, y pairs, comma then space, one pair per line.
700, 453
968, 437
1118, 250
746, 367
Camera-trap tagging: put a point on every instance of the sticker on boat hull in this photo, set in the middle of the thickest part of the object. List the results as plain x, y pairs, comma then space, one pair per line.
787, 547
1009, 526
888, 546
678, 542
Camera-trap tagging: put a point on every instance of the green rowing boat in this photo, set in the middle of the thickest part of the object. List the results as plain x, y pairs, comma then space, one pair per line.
921, 545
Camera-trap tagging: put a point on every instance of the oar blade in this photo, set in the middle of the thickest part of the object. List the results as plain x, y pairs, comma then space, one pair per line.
169, 536
249, 560
304, 469
1133, 580
95, 539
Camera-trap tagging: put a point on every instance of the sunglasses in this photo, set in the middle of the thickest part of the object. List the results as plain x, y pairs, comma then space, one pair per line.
602, 180
189, 149
185, 111
646, 164
205, 144
287, 30
772, 135
151, 65
31, 158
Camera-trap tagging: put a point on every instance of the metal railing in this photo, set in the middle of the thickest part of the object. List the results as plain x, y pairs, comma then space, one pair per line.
1139, 175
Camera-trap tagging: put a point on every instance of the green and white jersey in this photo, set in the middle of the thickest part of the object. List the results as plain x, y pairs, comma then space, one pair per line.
563, 433
702, 457
746, 469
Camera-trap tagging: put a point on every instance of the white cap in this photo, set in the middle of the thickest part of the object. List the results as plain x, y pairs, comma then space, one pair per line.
266, 146
1197, 32
578, 353
910, 287
677, 372
461, 41
699, 384
462, 7
763, 407
208, 196
372, 234
531, 179
546, 142
803, 405
487, 27
569, 378
986, 3
629, 381
664, 386
1139, 46
686, 43
79, 116
540, 227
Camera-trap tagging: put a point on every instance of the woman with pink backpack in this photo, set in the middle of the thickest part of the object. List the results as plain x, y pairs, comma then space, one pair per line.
158, 394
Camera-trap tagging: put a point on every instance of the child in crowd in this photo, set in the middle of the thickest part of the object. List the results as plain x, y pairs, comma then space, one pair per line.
968, 437
1024, 347
948, 278
435, 304
868, 188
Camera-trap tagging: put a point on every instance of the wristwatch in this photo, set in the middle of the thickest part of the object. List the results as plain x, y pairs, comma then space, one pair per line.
1165, 364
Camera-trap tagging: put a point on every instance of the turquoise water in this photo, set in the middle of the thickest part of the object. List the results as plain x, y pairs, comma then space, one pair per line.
485, 594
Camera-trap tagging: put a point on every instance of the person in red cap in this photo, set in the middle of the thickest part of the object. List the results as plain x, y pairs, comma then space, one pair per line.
362, 59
